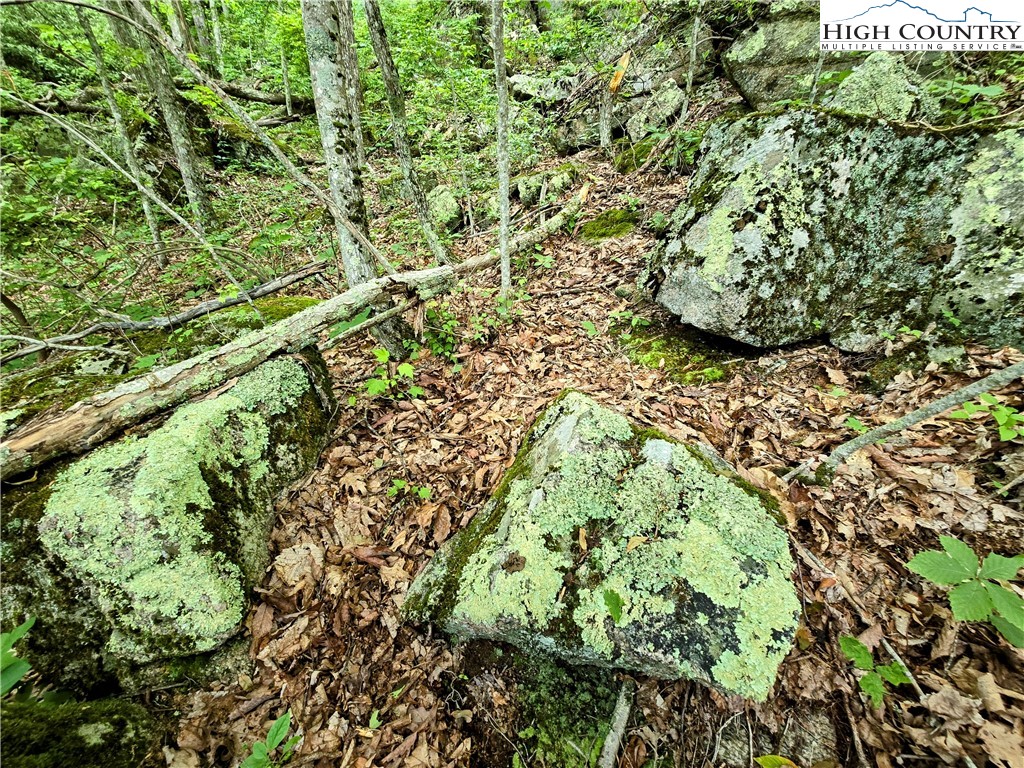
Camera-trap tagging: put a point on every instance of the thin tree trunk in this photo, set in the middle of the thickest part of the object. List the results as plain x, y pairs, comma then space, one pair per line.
501, 80
604, 117
157, 75
400, 128
350, 66
179, 29
286, 83
218, 37
338, 131
88, 423
202, 33
127, 149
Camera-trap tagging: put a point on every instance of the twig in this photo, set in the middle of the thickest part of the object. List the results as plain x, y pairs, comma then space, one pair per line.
41, 344
366, 324
906, 670
620, 717
861, 757
843, 452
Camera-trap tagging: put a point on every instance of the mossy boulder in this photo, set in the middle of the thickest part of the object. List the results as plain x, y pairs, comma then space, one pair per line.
445, 208
884, 86
145, 550
612, 546
552, 183
110, 733
812, 223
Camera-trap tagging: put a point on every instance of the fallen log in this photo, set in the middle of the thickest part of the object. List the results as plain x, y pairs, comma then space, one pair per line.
91, 421
169, 321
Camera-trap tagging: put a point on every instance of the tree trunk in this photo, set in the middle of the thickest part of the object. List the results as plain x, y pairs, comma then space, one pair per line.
501, 80
202, 33
350, 65
154, 69
338, 130
400, 128
218, 37
88, 423
477, 13
179, 28
127, 149
285, 82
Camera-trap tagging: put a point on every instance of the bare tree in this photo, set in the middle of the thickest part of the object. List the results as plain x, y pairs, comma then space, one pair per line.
501, 80
321, 22
120, 129
400, 128
218, 36
285, 81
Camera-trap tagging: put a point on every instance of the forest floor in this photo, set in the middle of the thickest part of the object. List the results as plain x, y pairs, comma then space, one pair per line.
367, 689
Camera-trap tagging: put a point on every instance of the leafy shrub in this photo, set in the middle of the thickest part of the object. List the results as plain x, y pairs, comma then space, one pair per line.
1008, 420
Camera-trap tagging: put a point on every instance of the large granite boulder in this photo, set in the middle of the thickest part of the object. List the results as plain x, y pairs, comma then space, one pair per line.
145, 550
613, 546
806, 223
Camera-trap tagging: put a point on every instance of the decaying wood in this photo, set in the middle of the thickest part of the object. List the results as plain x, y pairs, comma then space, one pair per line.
169, 321
839, 456
95, 419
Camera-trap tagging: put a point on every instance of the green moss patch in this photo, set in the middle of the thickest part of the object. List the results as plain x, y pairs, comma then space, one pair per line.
614, 223
685, 356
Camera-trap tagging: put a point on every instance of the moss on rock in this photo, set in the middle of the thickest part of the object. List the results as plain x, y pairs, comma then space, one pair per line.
613, 223
611, 547
110, 733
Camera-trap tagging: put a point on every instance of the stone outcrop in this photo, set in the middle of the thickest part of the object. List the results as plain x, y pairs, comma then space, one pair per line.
145, 549
613, 546
445, 208
812, 223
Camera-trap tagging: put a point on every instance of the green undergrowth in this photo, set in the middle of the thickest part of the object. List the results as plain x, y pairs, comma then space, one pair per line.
684, 356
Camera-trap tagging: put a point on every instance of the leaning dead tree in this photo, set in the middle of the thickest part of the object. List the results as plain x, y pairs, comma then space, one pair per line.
88, 423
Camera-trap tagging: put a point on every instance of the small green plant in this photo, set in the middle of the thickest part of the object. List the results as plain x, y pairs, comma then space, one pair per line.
440, 329
1008, 420
401, 487
636, 322
873, 682
260, 757
979, 592
906, 329
614, 602
590, 328
12, 669
775, 761
384, 383
852, 422
952, 319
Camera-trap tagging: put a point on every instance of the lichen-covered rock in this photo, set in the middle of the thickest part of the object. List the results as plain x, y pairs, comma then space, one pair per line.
110, 733
146, 548
546, 89
884, 86
666, 101
813, 223
777, 59
551, 182
445, 208
612, 546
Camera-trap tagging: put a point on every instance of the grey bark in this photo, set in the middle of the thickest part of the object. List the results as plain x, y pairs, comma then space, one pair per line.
127, 148
158, 77
350, 68
501, 81
218, 37
88, 423
338, 132
285, 81
400, 128
202, 33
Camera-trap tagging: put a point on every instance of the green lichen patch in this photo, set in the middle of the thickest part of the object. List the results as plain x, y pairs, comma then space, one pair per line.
614, 547
633, 155
168, 531
110, 733
614, 223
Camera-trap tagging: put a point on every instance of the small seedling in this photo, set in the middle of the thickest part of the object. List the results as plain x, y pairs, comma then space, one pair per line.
404, 488
590, 328
12, 669
260, 757
1009, 421
872, 684
775, 761
384, 384
978, 592
852, 422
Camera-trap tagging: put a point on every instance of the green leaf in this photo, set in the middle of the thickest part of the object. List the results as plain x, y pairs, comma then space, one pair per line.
960, 552
893, 674
11, 675
873, 687
857, 652
1006, 434
1001, 568
939, 567
415, 392
986, 397
8, 639
970, 602
590, 328
279, 729
406, 370
613, 600
382, 355
254, 761
960, 414
145, 362
374, 719
774, 761
376, 387
1014, 635
1006, 603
